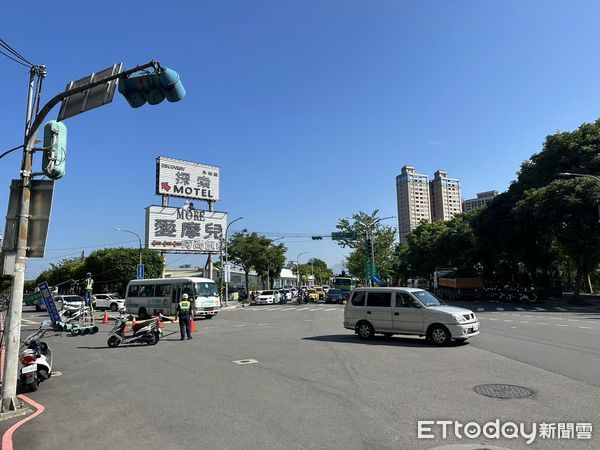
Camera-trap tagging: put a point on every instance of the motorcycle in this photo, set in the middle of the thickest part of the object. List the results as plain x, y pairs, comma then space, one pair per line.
36, 360
146, 331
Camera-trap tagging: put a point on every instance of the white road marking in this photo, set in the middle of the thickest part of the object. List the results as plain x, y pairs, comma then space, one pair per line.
315, 309
273, 309
492, 319
301, 309
499, 309
561, 325
330, 309
585, 328
480, 309
560, 309
30, 322
556, 318
573, 320
507, 320
541, 323
242, 325
513, 327
522, 321
537, 308
262, 324
308, 320
519, 309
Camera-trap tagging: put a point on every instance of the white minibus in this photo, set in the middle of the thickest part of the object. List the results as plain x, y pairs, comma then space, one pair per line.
149, 297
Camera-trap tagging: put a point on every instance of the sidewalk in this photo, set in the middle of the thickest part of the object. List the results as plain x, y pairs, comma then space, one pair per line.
585, 301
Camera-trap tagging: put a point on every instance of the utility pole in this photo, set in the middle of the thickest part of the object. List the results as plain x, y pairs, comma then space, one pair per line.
15, 307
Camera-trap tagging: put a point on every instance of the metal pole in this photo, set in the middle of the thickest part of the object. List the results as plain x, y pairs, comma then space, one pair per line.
210, 262
139, 239
227, 262
15, 307
163, 254
298, 269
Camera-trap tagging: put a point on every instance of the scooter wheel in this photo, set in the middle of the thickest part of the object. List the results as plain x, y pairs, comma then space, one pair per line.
113, 341
87, 330
94, 329
76, 332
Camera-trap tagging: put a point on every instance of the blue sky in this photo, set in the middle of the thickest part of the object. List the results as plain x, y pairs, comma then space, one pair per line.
310, 108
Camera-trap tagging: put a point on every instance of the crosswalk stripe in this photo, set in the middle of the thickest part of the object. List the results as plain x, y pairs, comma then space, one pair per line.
315, 309
480, 309
537, 308
301, 309
499, 309
519, 309
560, 309
330, 309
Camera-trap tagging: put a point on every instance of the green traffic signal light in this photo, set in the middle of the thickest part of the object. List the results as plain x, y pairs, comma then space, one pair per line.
54, 159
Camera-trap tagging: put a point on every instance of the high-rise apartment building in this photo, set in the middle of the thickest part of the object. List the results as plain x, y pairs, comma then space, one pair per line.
412, 190
483, 198
445, 196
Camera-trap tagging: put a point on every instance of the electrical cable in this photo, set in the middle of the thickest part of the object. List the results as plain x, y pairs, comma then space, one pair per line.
7, 46
15, 60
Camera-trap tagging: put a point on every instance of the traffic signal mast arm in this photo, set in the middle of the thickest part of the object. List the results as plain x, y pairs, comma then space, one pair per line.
60, 97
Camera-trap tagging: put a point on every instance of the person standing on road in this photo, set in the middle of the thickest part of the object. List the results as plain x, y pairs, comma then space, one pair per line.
88, 285
184, 312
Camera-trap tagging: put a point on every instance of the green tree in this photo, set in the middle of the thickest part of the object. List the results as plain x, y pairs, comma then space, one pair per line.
270, 261
382, 237
320, 270
567, 211
247, 251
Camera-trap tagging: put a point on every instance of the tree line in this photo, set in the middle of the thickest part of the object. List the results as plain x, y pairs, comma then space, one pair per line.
544, 228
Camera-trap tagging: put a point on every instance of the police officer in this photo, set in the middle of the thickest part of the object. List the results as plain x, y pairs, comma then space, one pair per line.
184, 311
88, 285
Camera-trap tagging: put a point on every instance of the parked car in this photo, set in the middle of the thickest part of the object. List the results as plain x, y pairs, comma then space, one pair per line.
111, 301
326, 289
414, 311
335, 296
294, 292
265, 298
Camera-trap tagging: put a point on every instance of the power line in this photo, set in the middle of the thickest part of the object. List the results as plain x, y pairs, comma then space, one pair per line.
15, 60
7, 46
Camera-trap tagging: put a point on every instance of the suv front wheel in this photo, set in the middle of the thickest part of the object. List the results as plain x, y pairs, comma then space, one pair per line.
365, 330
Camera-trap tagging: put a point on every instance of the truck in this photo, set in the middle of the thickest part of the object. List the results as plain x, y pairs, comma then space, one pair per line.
452, 283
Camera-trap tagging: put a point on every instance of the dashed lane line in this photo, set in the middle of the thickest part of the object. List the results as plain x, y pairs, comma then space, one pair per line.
330, 309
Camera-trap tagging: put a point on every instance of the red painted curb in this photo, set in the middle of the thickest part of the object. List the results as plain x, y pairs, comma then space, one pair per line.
7, 437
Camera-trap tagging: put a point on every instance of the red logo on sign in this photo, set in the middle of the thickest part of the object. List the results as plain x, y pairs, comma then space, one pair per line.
165, 186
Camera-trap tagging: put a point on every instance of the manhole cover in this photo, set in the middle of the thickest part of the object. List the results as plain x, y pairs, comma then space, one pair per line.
245, 361
503, 391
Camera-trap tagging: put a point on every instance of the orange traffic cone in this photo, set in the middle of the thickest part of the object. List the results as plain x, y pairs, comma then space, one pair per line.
192, 326
105, 318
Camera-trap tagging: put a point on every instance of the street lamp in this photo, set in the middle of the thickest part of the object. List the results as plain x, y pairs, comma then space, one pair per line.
581, 175
223, 276
269, 266
138, 236
372, 250
297, 270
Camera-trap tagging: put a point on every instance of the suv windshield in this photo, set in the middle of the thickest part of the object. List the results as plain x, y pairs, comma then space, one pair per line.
427, 298
205, 289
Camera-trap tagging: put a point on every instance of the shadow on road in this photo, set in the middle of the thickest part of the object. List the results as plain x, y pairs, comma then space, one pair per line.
394, 341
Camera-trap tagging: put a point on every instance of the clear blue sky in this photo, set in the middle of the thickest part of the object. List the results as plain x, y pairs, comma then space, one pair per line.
310, 108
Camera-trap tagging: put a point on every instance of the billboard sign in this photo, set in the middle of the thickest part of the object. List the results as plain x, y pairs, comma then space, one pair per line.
177, 230
187, 179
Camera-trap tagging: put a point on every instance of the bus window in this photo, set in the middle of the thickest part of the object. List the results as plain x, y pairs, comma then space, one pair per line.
146, 291
133, 291
163, 290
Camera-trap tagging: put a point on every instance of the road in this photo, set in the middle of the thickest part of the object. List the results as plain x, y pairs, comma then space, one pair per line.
315, 384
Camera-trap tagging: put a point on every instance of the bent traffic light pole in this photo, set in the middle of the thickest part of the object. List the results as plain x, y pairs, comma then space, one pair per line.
14, 314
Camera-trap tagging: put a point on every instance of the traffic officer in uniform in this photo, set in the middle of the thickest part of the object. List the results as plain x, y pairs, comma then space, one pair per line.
184, 311
88, 285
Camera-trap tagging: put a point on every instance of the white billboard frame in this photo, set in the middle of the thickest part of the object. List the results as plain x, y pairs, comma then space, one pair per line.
186, 179
178, 230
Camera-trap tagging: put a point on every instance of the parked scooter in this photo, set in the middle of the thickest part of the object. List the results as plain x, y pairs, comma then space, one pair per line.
146, 331
36, 360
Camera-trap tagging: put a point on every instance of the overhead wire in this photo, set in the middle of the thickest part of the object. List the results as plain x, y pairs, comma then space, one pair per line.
15, 60
9, 48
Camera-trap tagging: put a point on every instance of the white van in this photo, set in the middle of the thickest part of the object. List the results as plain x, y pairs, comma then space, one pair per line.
148, 297
392, 311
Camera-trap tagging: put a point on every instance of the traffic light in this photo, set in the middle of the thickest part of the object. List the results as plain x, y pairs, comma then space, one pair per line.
152, 87
54, 159
368, 248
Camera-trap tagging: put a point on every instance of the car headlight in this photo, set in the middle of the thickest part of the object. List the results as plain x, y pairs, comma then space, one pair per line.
459, 318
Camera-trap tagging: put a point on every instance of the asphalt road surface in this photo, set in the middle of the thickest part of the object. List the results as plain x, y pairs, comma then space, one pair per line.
310, 383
